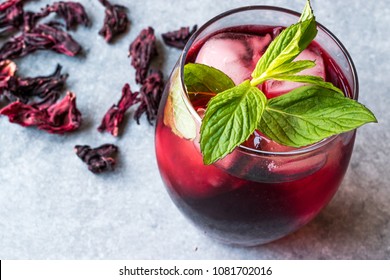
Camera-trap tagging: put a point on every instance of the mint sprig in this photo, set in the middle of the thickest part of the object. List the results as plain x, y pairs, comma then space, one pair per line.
301, 117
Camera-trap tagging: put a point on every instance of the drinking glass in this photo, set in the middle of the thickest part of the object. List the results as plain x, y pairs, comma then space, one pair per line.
250, 197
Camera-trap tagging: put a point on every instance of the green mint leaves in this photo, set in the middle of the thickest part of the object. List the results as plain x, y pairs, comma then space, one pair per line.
301, 117
202, 78
286, 47
178, 118
231, 118
310, 114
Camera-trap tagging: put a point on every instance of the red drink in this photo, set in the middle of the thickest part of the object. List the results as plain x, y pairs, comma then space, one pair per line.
262, 190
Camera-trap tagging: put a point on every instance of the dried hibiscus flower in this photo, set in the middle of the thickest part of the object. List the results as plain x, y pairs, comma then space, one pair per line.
150, 96
72, 12
47, 88
178, 38
114, 116
57, 118
11, 16
41, 37
98, 159
115, 21
23, 114
142, 50
63, 116
7, 71
7, 68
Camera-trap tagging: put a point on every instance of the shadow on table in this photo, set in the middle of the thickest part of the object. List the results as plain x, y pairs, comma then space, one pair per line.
355, 225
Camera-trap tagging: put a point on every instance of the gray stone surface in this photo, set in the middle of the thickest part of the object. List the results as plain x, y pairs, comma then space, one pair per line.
51, 207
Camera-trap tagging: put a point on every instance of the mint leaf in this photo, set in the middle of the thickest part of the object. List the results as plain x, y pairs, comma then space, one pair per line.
287, 69
176, 114
307, 12
231, 117
308, 79
286, 47
309, 114
203, 78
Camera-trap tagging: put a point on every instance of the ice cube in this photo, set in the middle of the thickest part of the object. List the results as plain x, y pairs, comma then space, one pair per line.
269, 145
297, 168
235, 54
183, 170
259, 141
275, 88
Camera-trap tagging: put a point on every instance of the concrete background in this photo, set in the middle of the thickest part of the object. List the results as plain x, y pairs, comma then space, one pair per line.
52, 207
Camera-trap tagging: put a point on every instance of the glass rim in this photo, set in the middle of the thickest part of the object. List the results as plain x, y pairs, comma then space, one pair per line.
326, 31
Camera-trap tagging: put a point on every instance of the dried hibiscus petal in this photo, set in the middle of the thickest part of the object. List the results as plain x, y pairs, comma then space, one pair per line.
7, 68
23, 114
15, 48
178, 38
41, 37
98, 159
114, 116
61, 41
63, 116
58, 118
7, 71
47, 88
11, 16
115, 21
72, 12
142, 50
150, 96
